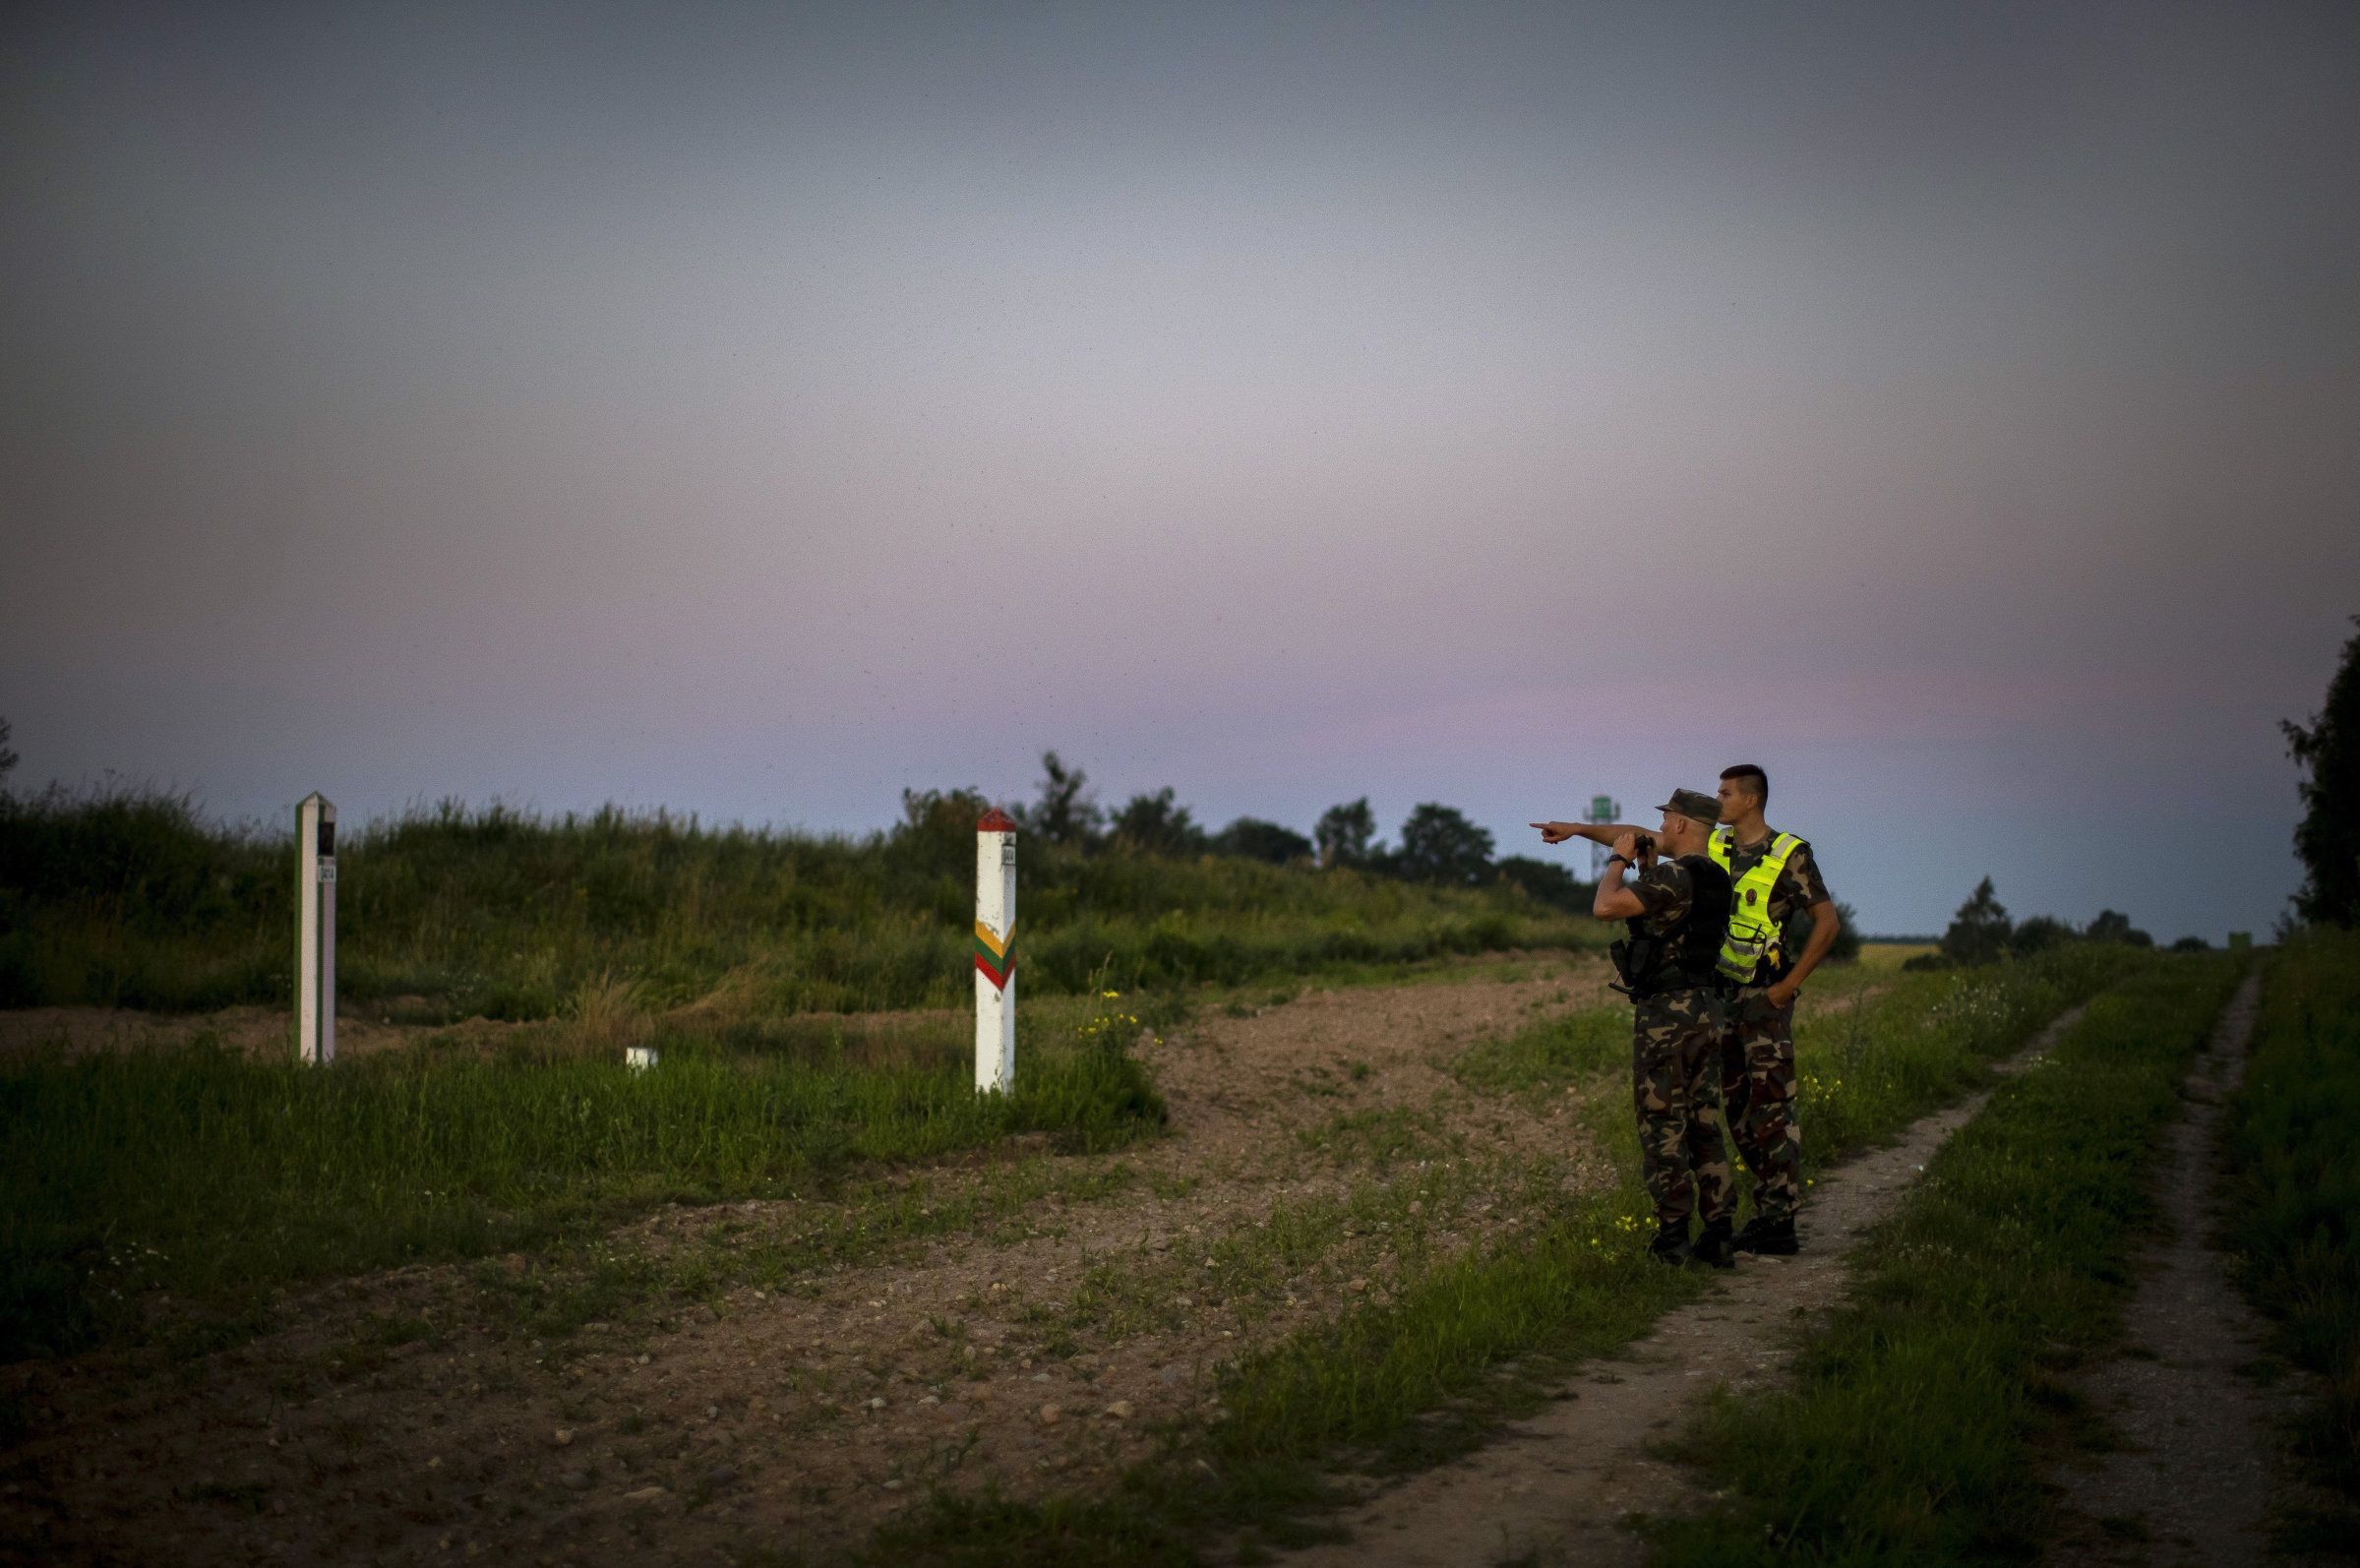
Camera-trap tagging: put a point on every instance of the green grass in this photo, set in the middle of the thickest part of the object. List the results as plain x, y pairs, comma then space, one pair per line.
1894, 1045
218, 1178
1466, 1338
132, 899
2294, 1191
1916, 1422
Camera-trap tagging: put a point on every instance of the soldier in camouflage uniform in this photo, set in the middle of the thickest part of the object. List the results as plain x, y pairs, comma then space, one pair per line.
1676, 912
1772, 878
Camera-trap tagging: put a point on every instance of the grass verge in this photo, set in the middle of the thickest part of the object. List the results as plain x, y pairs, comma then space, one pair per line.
212, 1178
1911, 1431
2294, 1190
1467, 1338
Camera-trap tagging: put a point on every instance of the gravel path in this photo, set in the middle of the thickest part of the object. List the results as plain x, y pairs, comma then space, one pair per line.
1561, 1486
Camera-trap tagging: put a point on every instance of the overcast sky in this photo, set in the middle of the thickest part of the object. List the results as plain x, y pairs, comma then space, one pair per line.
754, 410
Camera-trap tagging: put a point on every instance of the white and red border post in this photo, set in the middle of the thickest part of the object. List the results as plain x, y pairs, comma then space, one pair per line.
995, 951
315, 931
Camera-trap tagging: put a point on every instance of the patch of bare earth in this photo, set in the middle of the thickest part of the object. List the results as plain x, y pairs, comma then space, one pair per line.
1568, 1484
253, 1030
407, 1416
2198, 1468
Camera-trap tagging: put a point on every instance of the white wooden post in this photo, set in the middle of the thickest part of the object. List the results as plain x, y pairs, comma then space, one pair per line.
315, 931
995, 951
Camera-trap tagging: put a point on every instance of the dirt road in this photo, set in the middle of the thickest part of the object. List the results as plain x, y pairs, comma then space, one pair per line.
1562, 1487
2195, 1478
409, 1416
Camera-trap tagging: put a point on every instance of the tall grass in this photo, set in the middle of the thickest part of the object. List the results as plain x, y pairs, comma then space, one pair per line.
2294, 1191
1910, 1432
215, 1177
1375, 1380
133, 899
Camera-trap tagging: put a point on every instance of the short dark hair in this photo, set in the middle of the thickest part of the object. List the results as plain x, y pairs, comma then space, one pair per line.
1752, 777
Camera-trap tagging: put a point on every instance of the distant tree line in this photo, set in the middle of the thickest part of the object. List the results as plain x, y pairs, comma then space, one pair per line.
1981, 932
1438, 844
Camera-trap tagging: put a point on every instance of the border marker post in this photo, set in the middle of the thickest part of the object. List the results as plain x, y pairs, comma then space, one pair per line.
995, 951
315, 931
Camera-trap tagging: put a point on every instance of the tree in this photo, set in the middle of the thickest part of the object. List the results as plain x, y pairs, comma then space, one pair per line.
2111, 925
936, 836
1438, 844
2038, 934
1064, 815
1153, 825
8, 759
1251, 838
1344, 833
1978, 933
1846, 949
2327, 838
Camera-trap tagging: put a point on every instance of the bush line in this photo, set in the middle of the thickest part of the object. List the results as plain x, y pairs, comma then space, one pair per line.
2294, 1190
132, 901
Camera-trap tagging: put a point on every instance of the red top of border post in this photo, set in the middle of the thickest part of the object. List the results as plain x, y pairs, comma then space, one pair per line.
995, 820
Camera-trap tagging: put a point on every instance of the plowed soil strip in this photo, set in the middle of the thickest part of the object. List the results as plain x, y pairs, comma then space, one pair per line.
1563, 1486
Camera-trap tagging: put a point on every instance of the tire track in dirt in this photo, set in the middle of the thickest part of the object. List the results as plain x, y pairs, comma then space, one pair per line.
799, 1418
1563, 1486
2195, 1482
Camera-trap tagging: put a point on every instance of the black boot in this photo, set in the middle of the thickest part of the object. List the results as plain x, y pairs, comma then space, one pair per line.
1768, 1237
1715, 1245
1671, 1244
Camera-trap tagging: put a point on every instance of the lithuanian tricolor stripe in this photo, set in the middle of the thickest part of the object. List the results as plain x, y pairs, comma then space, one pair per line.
996, 956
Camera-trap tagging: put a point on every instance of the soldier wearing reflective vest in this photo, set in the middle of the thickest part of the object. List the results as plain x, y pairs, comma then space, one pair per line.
1773, 876
1677, 914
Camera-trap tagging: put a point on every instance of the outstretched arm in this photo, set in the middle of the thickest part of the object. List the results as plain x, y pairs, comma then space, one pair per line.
1595, 833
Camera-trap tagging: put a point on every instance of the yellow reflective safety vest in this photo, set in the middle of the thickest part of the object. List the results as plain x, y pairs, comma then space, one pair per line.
1753, 935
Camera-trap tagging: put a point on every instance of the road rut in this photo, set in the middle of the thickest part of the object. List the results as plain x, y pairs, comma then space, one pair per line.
1564, 1486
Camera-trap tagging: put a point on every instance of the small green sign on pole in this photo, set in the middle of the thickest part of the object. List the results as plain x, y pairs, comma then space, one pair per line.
1603, 809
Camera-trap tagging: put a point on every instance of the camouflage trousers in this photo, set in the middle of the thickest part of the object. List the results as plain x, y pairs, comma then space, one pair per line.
1675, 1043
1757, 1094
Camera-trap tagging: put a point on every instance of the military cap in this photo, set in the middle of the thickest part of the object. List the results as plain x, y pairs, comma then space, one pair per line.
1695, 806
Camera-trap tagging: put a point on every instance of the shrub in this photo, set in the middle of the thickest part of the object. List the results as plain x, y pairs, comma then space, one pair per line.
1978, 933
1251, 838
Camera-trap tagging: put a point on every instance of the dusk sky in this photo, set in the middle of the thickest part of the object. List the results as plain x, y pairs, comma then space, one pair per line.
754, 410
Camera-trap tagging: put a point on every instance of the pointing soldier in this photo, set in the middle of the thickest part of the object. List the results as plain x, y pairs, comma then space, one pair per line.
1677, 914
1773, 876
